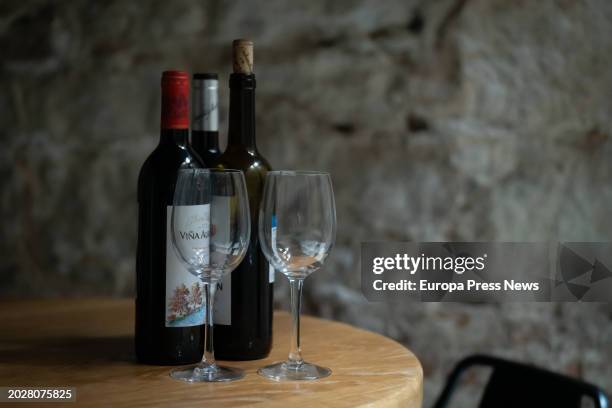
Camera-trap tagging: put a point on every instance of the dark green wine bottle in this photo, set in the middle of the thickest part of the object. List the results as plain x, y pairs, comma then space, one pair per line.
243, 316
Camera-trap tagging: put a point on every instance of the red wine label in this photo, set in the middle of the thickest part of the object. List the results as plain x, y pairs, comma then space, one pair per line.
184, 291
175, 100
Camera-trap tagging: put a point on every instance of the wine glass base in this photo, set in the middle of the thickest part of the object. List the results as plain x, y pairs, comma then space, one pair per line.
204, 373
287, 371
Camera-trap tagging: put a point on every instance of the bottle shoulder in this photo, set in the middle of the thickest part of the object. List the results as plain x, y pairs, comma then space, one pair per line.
158, 172
243, 159
171, 155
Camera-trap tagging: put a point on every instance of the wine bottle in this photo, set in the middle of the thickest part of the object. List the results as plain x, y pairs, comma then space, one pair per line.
205, 123
243, 320
169, 317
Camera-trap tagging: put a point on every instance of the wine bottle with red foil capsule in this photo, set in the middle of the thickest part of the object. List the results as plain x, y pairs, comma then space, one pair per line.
169, 306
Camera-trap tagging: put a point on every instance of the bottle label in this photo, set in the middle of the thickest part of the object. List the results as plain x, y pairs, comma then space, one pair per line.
223, 302
184, 291
221, 206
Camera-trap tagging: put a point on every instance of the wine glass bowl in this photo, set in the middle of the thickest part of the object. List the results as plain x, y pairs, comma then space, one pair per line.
299, 261
210, 227
297, 230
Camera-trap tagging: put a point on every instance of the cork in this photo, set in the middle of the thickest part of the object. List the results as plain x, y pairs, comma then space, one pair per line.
243, 56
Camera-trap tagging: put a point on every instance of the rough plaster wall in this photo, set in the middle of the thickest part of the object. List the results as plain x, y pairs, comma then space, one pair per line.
439, 120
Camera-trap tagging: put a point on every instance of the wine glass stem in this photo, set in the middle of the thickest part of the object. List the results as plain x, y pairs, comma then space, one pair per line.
295, 352
210, 288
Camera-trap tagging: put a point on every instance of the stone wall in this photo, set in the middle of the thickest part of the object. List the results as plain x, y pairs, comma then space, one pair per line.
439, 120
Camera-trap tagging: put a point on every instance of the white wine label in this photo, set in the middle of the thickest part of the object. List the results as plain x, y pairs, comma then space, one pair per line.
221, 238
184, 291
223, 302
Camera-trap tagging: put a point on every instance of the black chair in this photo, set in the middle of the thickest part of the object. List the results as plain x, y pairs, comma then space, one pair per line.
519, 385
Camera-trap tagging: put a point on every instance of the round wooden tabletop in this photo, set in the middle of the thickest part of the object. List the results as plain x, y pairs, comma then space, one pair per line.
87, 344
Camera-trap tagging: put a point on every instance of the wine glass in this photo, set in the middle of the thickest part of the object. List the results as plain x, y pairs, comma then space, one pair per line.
210, 233
297, 229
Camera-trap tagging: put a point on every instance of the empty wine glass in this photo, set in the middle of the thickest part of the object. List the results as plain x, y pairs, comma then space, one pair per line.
210, 234
297, 229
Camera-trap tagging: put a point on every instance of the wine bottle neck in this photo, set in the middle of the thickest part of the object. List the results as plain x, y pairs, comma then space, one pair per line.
207, 140
174, 136
175, 100
205, 103
175, 108
242, 111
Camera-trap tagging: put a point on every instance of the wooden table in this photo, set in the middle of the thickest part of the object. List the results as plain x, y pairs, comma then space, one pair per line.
87, 344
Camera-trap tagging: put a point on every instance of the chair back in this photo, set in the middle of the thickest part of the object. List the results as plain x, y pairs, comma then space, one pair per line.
514, 384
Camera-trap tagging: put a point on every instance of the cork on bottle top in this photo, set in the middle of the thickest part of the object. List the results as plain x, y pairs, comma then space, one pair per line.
243, 56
